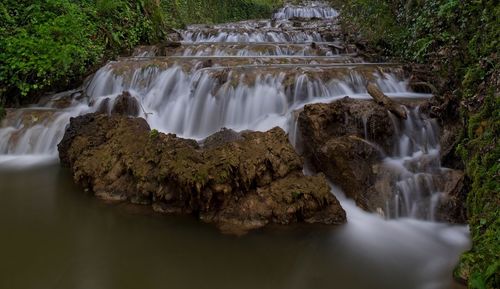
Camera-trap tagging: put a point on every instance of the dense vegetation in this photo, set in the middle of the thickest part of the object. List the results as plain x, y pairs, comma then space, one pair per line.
459, 41
52, 44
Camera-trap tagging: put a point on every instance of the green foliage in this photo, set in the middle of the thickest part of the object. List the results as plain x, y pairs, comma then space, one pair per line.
183, 12
41, 42
51, 44
375, 21
154, 134
481, 151
47, 44
460, 36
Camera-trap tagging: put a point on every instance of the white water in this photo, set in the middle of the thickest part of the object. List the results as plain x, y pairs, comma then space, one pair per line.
311, 10
194, 105
266, 36
416, 162
195, 102
249, 49
432, 248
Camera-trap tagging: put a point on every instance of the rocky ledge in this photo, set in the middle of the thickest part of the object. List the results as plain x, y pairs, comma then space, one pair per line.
349, 140
240, 182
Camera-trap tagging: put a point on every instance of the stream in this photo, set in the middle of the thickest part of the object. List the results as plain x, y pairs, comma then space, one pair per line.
247, 75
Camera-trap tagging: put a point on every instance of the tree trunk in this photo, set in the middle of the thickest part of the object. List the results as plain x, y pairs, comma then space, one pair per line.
385, 101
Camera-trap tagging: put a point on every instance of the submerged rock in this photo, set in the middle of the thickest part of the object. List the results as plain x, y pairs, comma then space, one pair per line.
243, 182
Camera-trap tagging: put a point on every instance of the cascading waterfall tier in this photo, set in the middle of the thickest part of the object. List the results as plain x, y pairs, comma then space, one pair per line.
416, 165
248, 49
244, 35
312, 9
196, 103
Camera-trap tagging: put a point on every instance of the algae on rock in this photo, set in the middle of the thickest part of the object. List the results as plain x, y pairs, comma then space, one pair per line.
241, 184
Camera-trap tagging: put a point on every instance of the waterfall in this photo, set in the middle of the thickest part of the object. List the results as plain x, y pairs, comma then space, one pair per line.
311, 10
415, 162
248, 75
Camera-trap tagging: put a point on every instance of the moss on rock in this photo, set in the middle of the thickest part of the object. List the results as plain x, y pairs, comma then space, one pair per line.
243, 183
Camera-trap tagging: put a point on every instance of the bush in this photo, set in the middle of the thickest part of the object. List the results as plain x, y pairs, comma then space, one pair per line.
481, 152
183, 12
42, 43
50, 45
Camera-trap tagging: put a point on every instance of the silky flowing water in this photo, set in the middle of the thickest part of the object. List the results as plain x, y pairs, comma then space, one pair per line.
246, 75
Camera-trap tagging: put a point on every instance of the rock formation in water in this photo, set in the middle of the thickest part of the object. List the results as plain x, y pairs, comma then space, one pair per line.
334, 140
124, 104
351, 141
241, 183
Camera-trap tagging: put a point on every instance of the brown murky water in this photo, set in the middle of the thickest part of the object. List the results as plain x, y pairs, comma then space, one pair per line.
53, 235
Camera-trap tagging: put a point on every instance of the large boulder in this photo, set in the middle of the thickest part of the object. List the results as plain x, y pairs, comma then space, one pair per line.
123, 104
349, 140
453, 186
446, 110
346, 140
242, 182
350, 161
362, 118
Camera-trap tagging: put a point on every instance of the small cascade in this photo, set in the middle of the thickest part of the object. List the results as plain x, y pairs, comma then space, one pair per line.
311, 10
197, 104
416, 165
33, 133
249, 36
247, 49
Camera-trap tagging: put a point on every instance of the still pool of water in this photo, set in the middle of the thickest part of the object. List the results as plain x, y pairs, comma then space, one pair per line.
53, 235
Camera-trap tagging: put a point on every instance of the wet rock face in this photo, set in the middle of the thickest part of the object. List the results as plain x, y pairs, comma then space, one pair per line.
350, 161
361, 118
334, 138
454, 187
446, 109
350, 141
238, 182
124, 104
